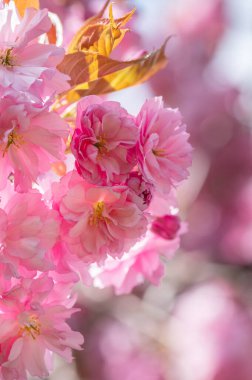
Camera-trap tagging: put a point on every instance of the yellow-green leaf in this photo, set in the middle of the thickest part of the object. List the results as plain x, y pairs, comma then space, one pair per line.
96, 74
100, 35
73, 46
85, 67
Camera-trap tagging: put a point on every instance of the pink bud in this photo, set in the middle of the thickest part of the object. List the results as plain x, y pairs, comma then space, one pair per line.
166, 226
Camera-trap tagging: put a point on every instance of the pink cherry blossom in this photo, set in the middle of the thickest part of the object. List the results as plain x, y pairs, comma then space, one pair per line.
25, 64
31, 138
97, 221
104, 141
163, 151
142, 262
28, 231
33, 326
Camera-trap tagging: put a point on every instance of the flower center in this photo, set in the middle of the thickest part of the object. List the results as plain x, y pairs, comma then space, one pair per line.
159, 152
97, 216
6, 58
32, 327
101, 145
13, 138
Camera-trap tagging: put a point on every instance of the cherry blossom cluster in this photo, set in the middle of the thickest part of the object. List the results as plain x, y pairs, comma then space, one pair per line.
108, 220
34, 304
127, 169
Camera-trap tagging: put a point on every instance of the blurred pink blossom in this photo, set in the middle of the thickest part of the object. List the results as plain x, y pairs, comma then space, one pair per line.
211, 335
132, 359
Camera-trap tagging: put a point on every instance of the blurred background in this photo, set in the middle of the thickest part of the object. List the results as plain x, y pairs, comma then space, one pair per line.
197, 325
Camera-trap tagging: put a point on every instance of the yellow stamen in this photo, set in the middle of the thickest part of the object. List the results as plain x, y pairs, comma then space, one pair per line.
97, 216
13, 138
32, 327
6, 58
101, 145
159, 152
